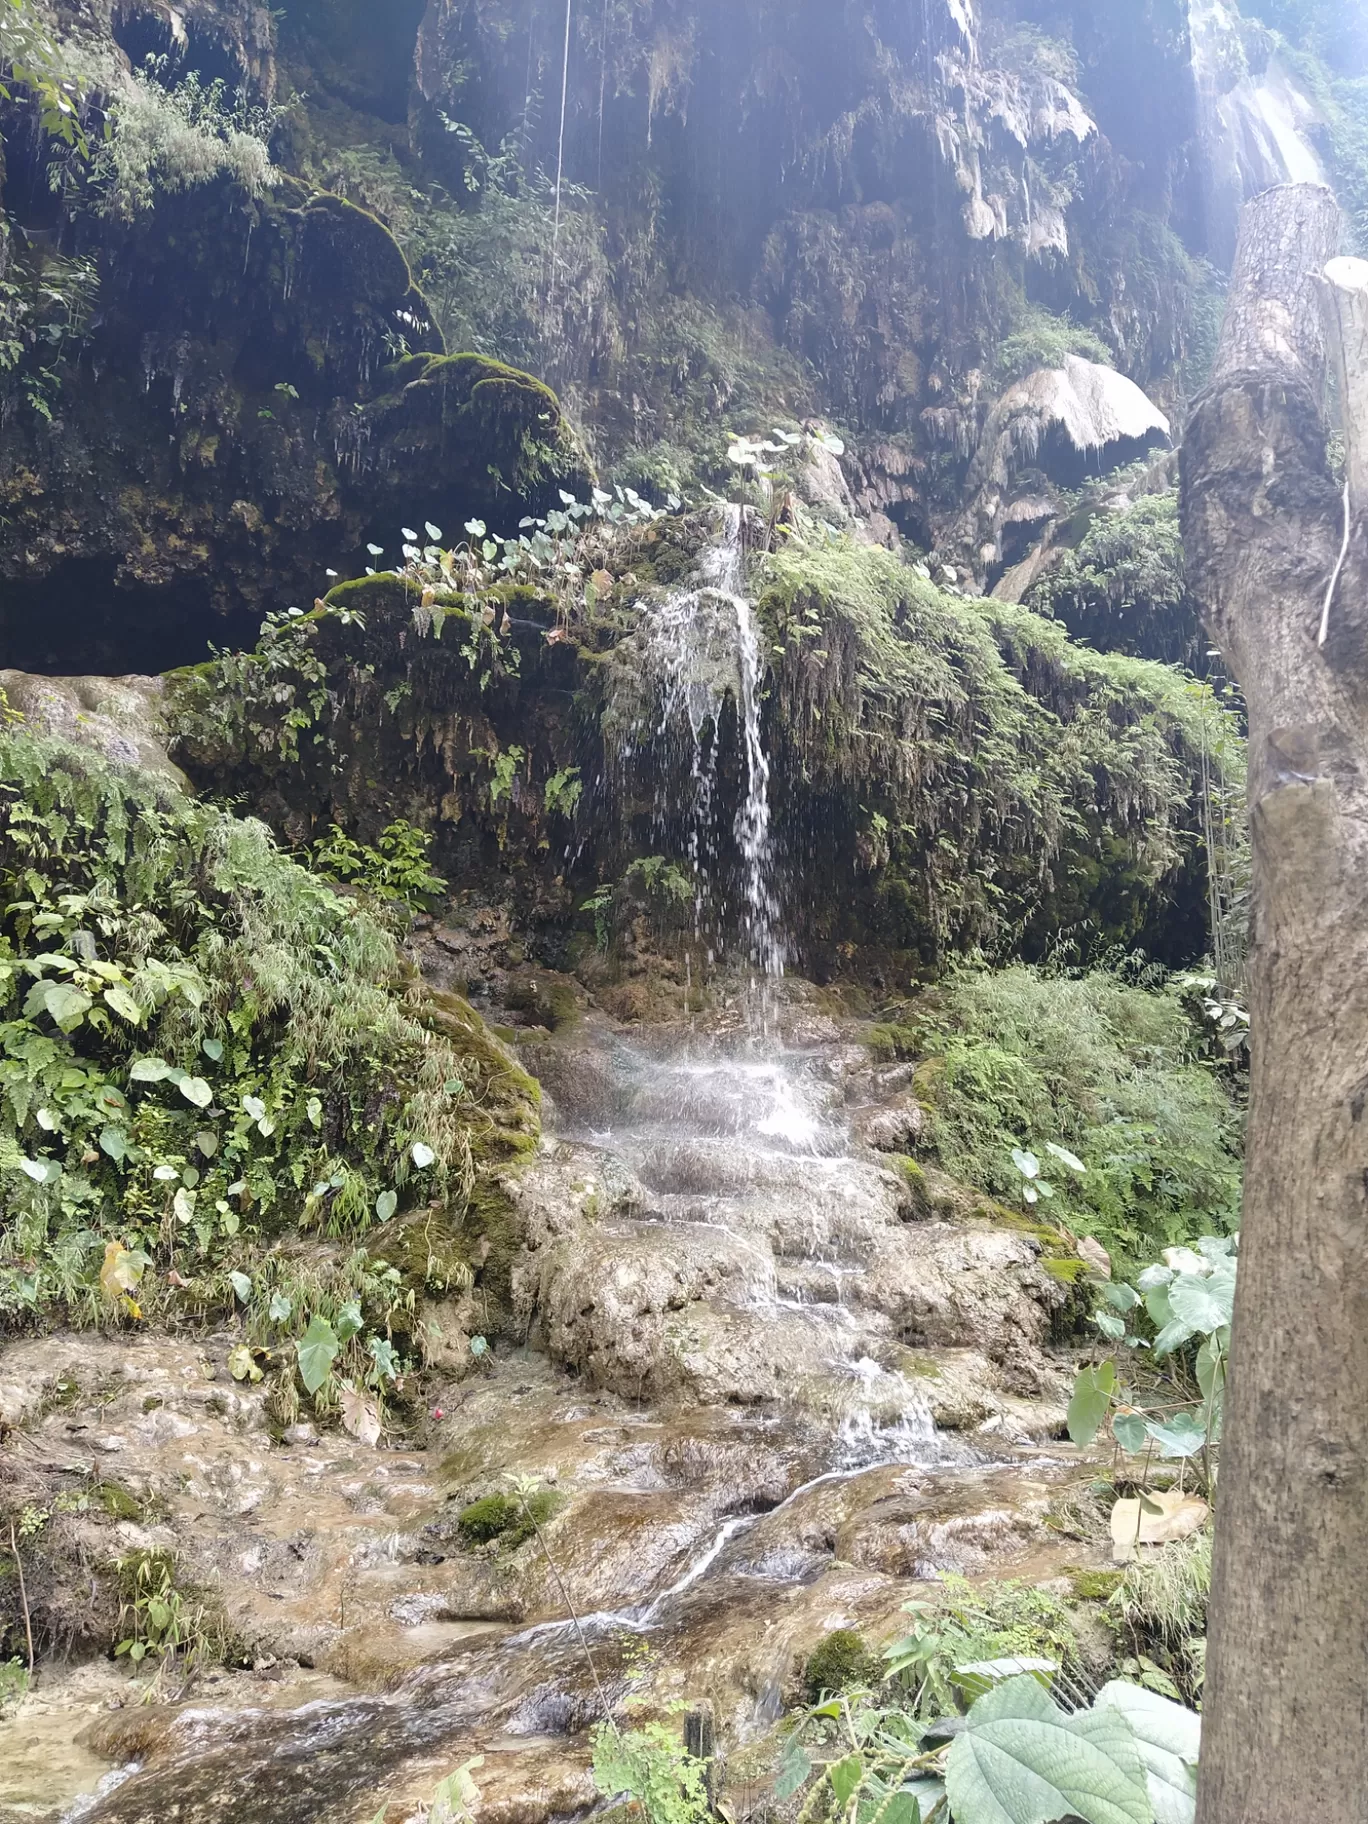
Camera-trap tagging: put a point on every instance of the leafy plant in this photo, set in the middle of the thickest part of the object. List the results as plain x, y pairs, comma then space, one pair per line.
652, 1766
396, 868
200, 1043
1189, 1295
156, 1617
1015, 1757
32, 59
1111, 1073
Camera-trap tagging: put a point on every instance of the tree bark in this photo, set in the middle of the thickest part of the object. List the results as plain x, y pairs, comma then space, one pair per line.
1286, 1704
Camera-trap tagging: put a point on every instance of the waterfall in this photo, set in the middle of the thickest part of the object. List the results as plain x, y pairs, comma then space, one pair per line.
701, 646
1253, 128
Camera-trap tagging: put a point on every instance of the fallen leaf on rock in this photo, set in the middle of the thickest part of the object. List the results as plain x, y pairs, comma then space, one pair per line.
1155, 1519
360, 1416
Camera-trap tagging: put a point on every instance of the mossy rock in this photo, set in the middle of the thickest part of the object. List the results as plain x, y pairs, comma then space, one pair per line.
1095, 1586
841, 1662
426, 1249
505, 1519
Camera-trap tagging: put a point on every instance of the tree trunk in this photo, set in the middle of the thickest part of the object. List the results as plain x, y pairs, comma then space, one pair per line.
1286, 1724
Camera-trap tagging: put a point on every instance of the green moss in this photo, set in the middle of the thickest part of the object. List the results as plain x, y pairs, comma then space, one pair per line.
118, 1502
1094, 1586
505, 1518
841, 1662
1067, 1271
889, 1041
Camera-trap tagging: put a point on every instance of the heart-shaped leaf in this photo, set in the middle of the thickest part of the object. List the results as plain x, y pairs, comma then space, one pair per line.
317, 1350
1020, 1760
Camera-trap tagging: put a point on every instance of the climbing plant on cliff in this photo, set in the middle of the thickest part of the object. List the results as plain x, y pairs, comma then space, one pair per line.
202, 1044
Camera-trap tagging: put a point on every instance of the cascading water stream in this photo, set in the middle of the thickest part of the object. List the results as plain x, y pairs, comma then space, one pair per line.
701, 645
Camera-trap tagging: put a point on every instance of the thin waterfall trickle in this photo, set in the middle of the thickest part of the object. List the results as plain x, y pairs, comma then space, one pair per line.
701, 646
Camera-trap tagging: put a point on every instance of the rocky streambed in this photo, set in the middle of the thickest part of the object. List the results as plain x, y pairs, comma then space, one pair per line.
772, 1380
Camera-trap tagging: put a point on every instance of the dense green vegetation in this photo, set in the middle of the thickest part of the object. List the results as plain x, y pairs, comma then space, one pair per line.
205, 1048
1018, 1058
1003, 781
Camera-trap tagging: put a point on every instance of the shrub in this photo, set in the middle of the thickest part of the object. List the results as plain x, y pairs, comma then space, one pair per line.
1022, 1058
201, 1042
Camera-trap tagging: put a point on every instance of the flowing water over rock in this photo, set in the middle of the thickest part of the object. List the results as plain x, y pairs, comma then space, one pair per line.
771, 1381
699, 650
743, 1335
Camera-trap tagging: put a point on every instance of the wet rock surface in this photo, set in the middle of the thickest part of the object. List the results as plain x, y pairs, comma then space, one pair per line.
769, 1394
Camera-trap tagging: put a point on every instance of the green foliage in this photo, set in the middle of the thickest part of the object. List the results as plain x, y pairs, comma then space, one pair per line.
509, 1519
396, 868
14, 1684
841, 1661
1039, 338
175, 138
652, 1766
156, 1618
1189, 1295
997, 780
202, 1045
1159, 1610
1016, 1757
1122, 588
969, 1626
31, 59
1021, 1058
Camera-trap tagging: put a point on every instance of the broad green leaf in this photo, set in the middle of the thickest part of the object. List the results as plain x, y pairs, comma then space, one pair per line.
1169, 1738
794, 1769
1198, 1304
1020, 1760
1130, 1431
183, 1203
242, 1285
422, 1155
976, 1676
196, 1090
166, 1174
280, 1308
207, 1142
317, 1350
1157, 1304
1211, 1361
254, 1106
124, 1005
1026, 1163
1120, 1296
385, 1205
1180, 1436
349, 1321
149, 1070
37, 1169
212, 1049
114, 1142
313, 1108
68, 1006
845, 1776
1110, 1324
1062, 1153
902, 1808
1155, 1278
1091, 1397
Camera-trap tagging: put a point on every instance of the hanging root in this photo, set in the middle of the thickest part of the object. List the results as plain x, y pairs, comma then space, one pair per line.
1339, 570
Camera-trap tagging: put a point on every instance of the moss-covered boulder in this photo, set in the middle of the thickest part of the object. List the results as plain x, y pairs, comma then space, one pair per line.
266, 395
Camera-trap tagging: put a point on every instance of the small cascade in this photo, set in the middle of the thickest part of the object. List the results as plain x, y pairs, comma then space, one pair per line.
701, 646
1253, 127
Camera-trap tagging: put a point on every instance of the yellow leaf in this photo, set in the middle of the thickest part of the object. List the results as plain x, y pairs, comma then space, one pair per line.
121, 1270
1132, 1522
